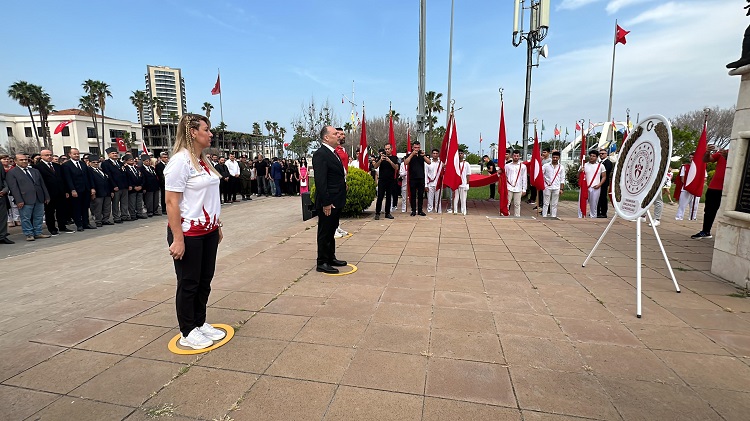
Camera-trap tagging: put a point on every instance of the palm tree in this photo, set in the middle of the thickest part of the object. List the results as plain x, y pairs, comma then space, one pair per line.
139, 99
396, 116
207, 107
173, 118
158, 106
87, 104
102, 92
269, 127
21, 92
43, 105
432, 103
91, 86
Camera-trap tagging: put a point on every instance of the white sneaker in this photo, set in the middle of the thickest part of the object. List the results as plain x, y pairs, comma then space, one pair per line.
342, 232
655, 224
211, 332
196, 340
449, 210
337, 235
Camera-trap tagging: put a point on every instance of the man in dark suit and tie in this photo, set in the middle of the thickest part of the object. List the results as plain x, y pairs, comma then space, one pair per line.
118, 182
330, 198
150, 187
135, 187
101, 203
4, 191
55, 210
80, 187
28, 190
159, 167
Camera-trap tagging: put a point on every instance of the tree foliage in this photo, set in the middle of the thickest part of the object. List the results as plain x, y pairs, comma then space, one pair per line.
313, 117
719, 130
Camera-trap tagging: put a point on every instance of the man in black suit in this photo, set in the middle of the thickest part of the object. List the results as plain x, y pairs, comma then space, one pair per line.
150, 187
135, 188
80, 187
159, 167
28, 190
55, 210
4, 191
330, 198
101, 203
118, 182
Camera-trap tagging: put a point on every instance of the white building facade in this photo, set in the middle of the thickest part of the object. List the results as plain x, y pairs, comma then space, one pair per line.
17, 133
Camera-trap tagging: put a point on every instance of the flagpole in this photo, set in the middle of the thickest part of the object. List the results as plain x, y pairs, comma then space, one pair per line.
221, 109
611, 83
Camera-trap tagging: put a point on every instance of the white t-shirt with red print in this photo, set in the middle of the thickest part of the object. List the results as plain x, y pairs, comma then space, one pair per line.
200, 206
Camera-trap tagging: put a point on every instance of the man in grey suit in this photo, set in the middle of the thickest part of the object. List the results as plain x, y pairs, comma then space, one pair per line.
4, 209
30, 194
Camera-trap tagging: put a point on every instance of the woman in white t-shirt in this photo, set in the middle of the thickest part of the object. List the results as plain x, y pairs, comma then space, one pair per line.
194, 205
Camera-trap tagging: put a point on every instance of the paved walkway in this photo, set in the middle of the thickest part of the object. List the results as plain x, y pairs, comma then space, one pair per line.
447, 318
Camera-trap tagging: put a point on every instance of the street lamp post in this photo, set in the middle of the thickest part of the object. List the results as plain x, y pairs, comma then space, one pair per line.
538, 27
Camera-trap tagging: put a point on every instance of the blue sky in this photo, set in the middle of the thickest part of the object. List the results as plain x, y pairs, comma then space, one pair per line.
276, 55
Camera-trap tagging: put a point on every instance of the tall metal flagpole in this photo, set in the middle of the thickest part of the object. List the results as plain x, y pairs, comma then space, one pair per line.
611, 85
450, 63
421, 118
221, 110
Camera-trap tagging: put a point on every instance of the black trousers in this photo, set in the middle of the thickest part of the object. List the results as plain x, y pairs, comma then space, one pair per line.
602, 207
713, 202
54, 211
416, 188
194, 274
326, 228
385, 189
80, 209
396, 189
492, 191
163, 201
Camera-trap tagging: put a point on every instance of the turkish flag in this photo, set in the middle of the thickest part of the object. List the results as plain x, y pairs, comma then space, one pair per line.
121, 146
535, 169
364, 163
583, 195
502, 186
217, 88
452, 177
696, 175
391, 136
61, 126
557, 131
620, 35
578, 127
446, 140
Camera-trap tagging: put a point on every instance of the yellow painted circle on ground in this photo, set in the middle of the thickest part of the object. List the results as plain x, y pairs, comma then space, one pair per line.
176, 348
354, 269
346, 236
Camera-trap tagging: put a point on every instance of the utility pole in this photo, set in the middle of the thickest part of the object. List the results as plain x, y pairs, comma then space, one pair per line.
421, 118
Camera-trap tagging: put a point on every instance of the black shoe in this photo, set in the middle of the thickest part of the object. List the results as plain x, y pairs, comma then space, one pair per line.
67, 230
377, 216
54, 233
326, 268
701, 235
99, 225
336, 262
6, 240
107, 223
79, 229
422, 213
118, 222
413, 213
389, 216
142, 217
602, 216
89, 227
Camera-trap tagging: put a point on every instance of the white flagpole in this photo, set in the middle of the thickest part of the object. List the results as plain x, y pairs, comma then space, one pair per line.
221, 109
611, 85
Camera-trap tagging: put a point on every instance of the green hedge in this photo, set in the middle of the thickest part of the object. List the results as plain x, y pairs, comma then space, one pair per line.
360, 193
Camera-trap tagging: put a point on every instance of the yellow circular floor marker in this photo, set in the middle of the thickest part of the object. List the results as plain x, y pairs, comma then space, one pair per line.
346, 236
354, 269
176, 348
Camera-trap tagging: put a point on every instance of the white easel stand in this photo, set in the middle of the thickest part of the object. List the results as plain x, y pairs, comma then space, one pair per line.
638, 256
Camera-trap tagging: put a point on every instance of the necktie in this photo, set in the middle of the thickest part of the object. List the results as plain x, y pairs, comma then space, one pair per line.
28, 173
51, 167
78, 165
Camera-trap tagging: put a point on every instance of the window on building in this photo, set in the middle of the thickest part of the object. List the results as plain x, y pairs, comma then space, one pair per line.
27, 132
90, 133
132, 136
9, 130
94, 150
66, 131
66, 150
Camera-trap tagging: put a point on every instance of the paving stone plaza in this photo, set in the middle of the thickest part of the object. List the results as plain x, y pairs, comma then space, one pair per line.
447, 318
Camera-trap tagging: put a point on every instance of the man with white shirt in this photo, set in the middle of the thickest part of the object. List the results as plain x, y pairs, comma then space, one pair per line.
403, 174
433, 174
596, 175
234, 177
515, 172
554, 179
459, 196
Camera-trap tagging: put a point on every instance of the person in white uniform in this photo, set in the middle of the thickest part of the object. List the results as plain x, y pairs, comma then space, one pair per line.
596, 175
459, 196
515, 172
686, 198
554, 179
433, 174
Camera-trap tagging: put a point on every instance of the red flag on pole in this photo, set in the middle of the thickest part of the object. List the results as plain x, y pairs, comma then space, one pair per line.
144, 149
217, 88
61, 126
535, 173
620, 35
363, 161
408, 141
121, 146
391, 136
502, 144
578, 126
446, 140
557, 131
452, 177
696, 175
583, 195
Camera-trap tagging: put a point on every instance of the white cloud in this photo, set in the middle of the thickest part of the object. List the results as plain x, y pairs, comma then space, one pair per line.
574, 4
614, 6
673, 12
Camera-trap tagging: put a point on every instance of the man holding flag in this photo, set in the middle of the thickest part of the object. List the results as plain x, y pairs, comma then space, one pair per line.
515, 173
595, 176
713, 193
